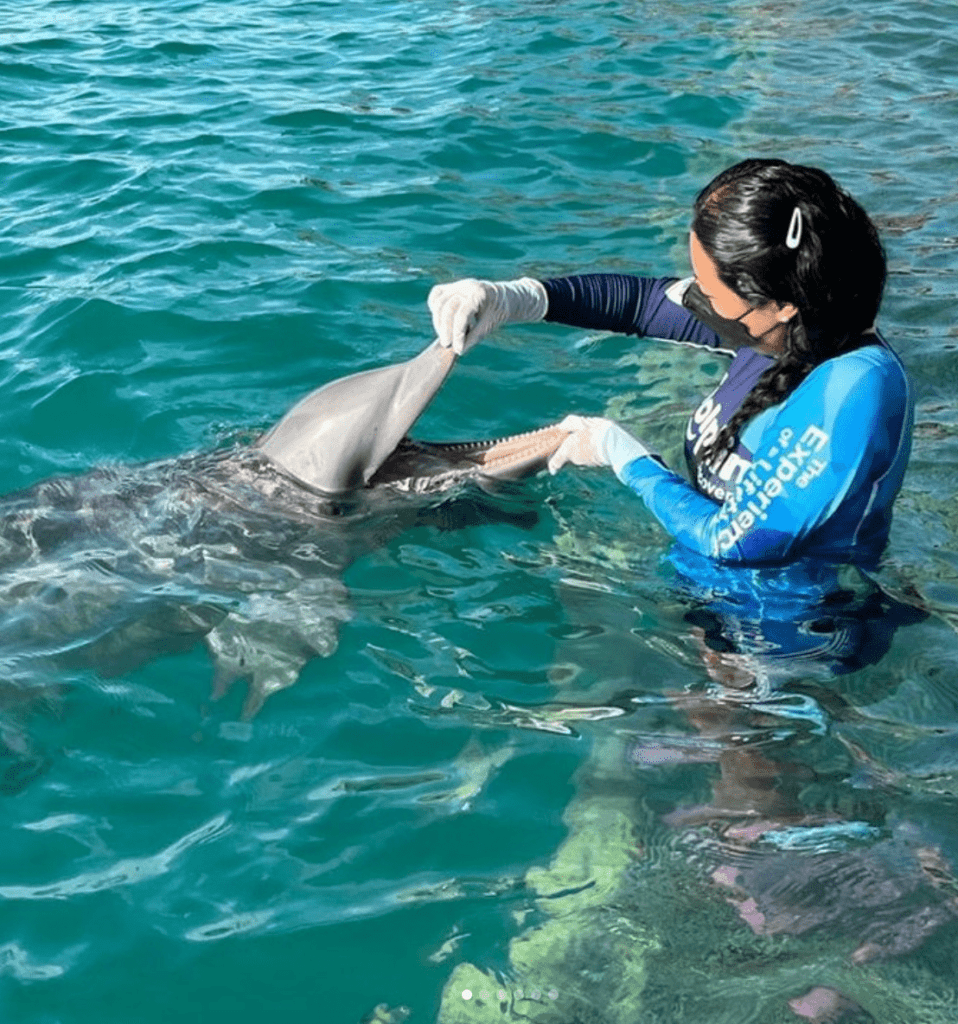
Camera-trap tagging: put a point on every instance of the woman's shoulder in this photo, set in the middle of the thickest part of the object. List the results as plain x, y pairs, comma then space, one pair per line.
871, 366
859, 389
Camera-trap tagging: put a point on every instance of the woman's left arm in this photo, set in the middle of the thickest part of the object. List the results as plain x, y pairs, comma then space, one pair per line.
823, 462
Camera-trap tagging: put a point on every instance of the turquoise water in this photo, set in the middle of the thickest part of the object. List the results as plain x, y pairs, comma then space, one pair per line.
510, 766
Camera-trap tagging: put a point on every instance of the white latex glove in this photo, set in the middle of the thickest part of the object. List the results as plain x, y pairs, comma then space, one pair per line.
467, 310
595, 441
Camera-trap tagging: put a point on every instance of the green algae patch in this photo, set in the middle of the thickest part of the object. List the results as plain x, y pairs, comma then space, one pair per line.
474, 997
586, 961
587, 868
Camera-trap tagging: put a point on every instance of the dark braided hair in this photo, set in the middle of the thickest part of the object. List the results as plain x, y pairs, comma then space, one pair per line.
835, 276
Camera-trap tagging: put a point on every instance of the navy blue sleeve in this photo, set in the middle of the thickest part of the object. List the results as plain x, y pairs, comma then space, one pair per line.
625, 305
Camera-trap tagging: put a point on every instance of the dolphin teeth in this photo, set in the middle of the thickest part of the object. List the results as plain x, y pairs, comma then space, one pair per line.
535, 446
421, 466
529, 440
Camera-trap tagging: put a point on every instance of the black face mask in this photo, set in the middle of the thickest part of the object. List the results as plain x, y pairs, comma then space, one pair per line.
732, 332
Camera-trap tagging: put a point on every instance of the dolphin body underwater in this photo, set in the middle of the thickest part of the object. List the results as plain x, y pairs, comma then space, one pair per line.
243, 547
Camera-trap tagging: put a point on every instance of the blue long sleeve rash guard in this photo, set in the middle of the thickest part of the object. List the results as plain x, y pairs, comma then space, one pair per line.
814, 476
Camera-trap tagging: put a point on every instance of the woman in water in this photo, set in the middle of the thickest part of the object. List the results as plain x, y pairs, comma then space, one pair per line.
802, 447
796, 457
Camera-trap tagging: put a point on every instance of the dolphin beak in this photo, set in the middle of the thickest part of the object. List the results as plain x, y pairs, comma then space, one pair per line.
339, 435
352, 432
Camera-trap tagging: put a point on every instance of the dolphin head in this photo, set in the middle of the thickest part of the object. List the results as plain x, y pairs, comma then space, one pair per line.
352, 433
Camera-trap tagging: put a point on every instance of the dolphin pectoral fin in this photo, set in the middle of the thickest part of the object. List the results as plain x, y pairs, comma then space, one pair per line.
423, 465
260, 654
339, 435
270, 641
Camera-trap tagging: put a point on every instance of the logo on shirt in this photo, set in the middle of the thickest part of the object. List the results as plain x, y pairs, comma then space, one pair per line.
794, 465
714, 477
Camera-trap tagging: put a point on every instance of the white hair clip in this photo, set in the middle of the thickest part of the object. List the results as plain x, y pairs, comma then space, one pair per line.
794, 235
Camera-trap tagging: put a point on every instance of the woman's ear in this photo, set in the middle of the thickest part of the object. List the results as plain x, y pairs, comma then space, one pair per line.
786, 312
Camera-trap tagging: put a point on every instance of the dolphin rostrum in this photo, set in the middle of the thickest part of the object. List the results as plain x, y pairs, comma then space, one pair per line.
242, 547
352, 432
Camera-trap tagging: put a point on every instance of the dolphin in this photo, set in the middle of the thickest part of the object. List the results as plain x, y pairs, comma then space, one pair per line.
242, 547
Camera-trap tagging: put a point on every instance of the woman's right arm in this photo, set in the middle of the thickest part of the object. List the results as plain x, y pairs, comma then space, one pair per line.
646, 306
465, 311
